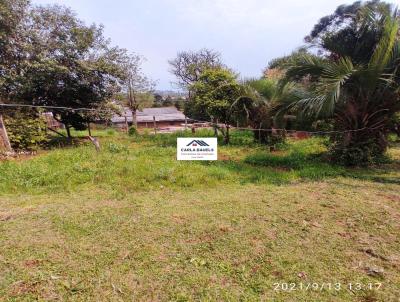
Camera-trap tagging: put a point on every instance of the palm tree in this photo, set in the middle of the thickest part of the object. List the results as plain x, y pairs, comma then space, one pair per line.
360, 93
256, 108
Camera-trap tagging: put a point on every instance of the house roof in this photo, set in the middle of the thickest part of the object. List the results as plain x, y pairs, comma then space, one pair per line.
167, 114
158, 111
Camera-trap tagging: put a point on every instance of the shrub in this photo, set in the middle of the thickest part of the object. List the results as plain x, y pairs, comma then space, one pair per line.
357, 154
111, 132
132, 131
26, 130
116, 148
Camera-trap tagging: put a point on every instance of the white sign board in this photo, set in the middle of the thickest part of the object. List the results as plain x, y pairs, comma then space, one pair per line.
197, 148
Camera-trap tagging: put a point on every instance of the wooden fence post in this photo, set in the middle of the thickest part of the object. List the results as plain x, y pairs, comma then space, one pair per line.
4, 135
126, 124
155, 124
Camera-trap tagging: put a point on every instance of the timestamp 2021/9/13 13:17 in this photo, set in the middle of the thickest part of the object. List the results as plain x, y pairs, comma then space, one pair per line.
329, 286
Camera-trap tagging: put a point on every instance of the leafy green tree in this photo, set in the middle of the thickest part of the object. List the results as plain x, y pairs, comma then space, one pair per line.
71, 65
180, 104
195, 111
12, 12
59, 61
351, 31
215, 95
188, 66
158, 99
138, 86
52, 58
354, 81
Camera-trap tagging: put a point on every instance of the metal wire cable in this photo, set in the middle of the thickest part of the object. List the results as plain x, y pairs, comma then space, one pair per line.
194, 120
288, 130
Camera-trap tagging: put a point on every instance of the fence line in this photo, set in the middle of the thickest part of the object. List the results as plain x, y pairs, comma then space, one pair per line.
50, 107
288, 130
322, 132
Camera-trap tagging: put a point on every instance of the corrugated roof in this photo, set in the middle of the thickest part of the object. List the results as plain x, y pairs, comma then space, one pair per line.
159, 111
146, 115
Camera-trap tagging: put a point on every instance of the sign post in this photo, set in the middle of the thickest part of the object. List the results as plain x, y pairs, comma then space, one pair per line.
197, 148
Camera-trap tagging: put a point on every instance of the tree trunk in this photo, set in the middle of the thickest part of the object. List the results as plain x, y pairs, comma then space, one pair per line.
134, 118
215, 122
215, 131
89, 129
133, 105
68, 128
362, 134
4, 135
126, 125
227, 135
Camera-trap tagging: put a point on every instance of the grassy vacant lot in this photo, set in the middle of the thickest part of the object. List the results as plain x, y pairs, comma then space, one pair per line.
133, 224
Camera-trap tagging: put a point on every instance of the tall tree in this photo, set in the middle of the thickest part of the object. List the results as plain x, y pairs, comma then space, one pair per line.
71, 65
12, 14
215, 93
56, 60
352, 30
136, 84
355, 80
188, 66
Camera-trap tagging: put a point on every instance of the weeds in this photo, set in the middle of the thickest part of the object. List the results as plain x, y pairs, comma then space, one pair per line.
145, 162
132, 223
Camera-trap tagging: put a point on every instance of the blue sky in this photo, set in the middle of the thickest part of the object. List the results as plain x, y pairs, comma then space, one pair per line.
247, 33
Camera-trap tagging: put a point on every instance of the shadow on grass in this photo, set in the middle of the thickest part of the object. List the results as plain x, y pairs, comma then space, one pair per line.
279, 171
303, 163
385, 174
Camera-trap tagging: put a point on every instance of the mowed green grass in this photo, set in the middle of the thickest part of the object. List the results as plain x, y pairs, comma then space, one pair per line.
132, 224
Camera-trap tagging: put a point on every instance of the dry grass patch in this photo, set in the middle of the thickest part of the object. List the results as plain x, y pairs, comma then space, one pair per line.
229, 238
